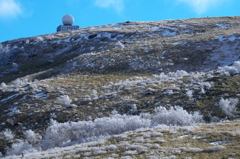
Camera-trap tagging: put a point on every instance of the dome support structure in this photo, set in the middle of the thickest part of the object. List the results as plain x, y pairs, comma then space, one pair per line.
67, 21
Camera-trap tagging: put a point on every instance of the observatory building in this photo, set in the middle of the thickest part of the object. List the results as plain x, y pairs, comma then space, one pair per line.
67, 21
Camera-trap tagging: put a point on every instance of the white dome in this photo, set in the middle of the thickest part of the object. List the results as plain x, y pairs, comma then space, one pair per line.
67, 19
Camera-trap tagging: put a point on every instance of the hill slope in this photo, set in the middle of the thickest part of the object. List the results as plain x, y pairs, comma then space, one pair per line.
130, 67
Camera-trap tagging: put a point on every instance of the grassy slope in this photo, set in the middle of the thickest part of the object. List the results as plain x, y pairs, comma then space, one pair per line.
146, 52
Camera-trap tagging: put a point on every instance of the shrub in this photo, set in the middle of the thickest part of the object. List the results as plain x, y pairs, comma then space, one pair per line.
119, 45
32, 137
234, 69
65, 134
175, 116
8, 134
65, 100
228, 106
20, 81
189, 93
3, 85
20, 147
171, 75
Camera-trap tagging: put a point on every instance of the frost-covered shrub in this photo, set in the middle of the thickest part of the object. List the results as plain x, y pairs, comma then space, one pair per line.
39, 38
21, 81
171, 75
32, 137
8, 134
61, 134
56, 135
94, 93
234, 69
178, 74
206, 85
65, 100
189, 93
111, 148
133, 108
119, 45
228, 106
175, 116
20, 147
3, 85
70, 133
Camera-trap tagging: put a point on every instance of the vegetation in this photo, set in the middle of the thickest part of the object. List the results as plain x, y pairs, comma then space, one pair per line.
175, 73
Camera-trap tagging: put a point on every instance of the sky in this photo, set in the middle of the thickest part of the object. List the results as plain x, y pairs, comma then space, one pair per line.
26, 18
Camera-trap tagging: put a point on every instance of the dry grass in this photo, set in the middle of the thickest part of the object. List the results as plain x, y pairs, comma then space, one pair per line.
89, 68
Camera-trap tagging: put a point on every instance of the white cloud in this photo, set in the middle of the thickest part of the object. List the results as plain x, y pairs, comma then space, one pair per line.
116, 4
9, 8
202, 6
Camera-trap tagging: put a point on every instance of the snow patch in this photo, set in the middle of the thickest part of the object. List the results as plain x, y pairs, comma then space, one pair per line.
221, 38
179, 42
169, 33
41, 95
232, 38
10, 97
222, 25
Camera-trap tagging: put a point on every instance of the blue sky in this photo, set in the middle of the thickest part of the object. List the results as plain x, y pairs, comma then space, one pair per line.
25, 18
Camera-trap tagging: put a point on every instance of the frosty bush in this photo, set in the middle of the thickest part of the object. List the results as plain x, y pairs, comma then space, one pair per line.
20, 147
175, 116
189, 93
119, 45
3, 85
228, 106
32, 137
61, 134
178, 74
66, 134
171, 75
234, 69
19, 81
8, 134
39, 39
65, 100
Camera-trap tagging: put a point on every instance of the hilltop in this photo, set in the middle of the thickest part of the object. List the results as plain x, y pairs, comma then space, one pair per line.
130, 71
